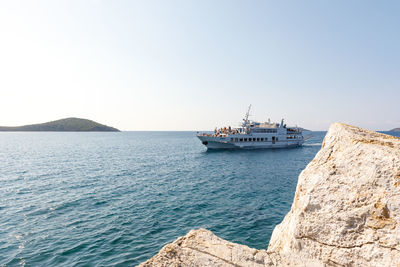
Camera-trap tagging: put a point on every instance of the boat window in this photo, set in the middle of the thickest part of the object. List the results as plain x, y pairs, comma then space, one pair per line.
277, 139
258, 139
241, 139
245, 139
262, 139
231, 139
266, 139
236, 139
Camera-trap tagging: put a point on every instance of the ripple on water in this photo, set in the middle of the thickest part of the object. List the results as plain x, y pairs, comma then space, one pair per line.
114, 199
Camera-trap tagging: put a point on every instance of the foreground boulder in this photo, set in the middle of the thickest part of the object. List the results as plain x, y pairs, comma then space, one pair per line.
203, 248
346, 212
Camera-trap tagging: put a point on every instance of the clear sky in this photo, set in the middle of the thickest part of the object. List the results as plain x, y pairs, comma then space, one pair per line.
195, 65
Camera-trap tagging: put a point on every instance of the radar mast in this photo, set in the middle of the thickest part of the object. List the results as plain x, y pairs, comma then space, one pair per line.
246, 122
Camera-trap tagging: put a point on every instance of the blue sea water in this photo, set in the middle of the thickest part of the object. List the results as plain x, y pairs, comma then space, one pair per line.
114, 199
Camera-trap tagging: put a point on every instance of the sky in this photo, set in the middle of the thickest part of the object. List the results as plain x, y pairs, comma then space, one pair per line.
196, 65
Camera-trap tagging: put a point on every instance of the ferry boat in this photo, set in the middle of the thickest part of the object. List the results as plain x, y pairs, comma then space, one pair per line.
252, 135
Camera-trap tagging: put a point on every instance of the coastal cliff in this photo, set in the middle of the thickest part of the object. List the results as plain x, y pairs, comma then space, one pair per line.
346, 212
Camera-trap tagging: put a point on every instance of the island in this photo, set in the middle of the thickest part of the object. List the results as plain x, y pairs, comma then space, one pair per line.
63, 125
395, 130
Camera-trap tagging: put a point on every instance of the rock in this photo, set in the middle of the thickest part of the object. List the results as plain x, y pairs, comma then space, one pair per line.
346, 209
203, 248
346, 212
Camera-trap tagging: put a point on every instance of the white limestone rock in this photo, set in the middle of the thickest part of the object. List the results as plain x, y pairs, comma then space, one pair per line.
346, 212
203, 248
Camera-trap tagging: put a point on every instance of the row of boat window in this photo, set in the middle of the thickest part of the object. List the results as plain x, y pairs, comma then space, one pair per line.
258, 139
264, 130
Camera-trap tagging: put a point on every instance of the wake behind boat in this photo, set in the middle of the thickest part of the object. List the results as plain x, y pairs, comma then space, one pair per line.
253, 135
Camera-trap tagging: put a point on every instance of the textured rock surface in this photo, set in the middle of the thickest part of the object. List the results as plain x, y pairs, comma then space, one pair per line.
346, 212
203, 248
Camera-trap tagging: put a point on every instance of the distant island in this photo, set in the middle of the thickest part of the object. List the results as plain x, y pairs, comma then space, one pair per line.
395, 130
63, 125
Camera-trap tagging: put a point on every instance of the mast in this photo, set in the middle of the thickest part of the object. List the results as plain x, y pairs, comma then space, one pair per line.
246, 119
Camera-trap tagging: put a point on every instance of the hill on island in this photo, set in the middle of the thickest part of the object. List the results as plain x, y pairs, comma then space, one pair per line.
64, 125
395, 130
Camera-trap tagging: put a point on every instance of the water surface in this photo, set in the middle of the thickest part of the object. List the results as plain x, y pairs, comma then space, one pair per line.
114, 199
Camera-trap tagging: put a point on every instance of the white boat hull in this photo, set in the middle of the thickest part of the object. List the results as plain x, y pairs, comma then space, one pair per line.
220, 143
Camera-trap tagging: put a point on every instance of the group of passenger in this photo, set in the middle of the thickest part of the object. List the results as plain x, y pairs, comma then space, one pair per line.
225, 131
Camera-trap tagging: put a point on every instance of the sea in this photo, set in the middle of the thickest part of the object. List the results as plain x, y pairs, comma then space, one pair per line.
116, 198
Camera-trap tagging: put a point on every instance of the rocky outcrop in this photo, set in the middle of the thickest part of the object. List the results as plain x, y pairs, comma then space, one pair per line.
346, 209
346, 212
203, 248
